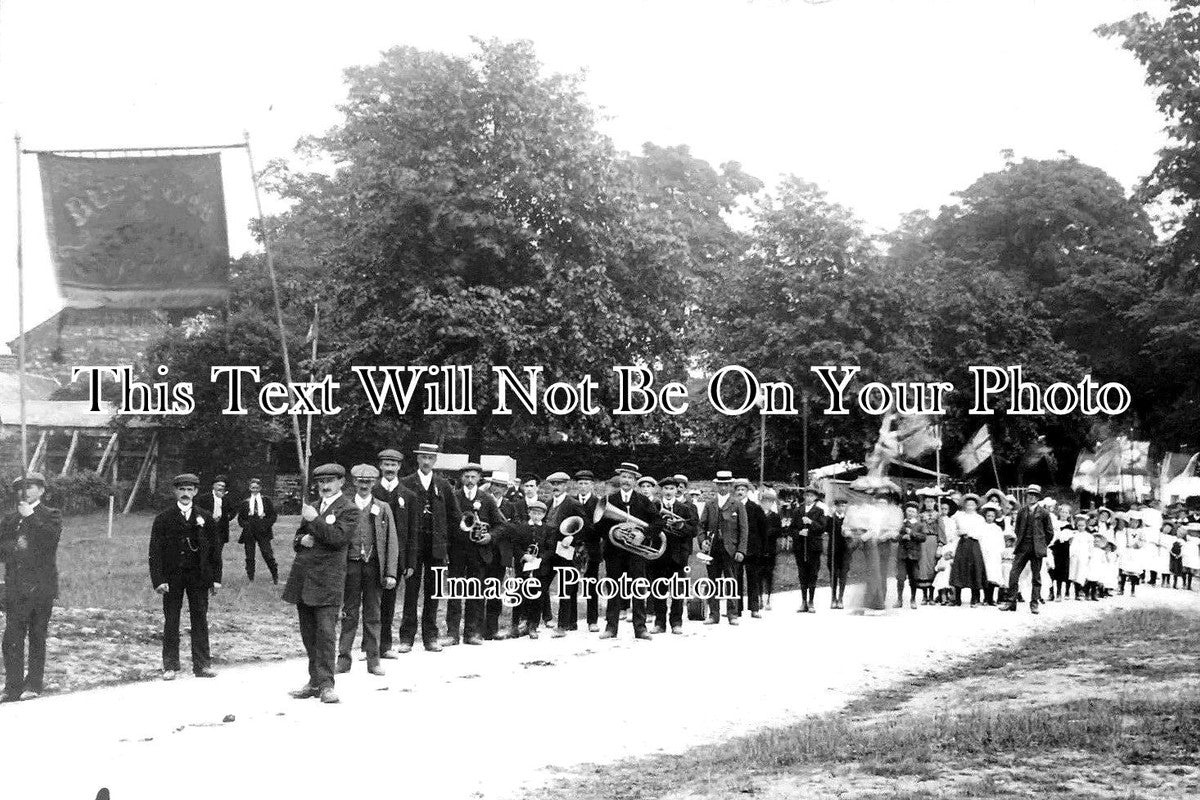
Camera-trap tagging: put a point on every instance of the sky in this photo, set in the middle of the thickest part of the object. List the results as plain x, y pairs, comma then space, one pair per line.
889, 105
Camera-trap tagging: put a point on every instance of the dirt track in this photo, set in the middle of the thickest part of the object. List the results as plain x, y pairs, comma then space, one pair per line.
484, 722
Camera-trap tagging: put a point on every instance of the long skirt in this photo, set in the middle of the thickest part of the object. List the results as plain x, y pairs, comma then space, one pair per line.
967, 570
927, 565
1061, 571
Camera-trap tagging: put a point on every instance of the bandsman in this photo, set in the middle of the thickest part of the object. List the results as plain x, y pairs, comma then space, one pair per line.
561, 508
585, 485
478, 552
618, 561
724, 535
680, 526
437, 515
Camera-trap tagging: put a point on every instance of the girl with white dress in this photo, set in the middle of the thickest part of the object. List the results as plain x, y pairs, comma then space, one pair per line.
1081, 551
991, 543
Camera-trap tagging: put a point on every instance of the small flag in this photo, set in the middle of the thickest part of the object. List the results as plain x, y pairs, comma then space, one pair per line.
916, 436
977, 451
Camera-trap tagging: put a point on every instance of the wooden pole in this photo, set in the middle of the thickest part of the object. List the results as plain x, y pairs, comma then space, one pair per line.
142, 472
995, 470
937, 465
312, 376
108, 451
21, 318
112, 504
70, 452
804, 437
38, 452
287, 361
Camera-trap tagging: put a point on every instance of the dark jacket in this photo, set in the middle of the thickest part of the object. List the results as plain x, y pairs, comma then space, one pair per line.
404, 514
808, 547
569, 507
680, 541
318, 575
1034, 529
756, 529
254, 527
730, 523
538, 539
436, 508
384, 540
32, 571
498, 550
639, 506
171, 535
912, 539
838, 552
590, 537
229, 506
772, 537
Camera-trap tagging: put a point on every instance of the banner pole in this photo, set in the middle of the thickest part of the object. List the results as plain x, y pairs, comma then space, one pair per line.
287, 361
21, 317
312, 376
995, 471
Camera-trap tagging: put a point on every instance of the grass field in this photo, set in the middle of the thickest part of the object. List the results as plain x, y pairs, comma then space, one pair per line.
1110, 710
107, 623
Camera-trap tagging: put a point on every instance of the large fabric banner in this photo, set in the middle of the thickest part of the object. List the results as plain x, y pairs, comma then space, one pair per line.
144, 232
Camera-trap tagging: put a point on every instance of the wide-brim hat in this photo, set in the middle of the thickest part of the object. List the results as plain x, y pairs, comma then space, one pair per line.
971, 496
1104, 510
630, 467
390, 453
364, 471
329, 471
427, 449
470, 466
952, 501
186, 479
723, 476
929, 491
500, 478
990, 506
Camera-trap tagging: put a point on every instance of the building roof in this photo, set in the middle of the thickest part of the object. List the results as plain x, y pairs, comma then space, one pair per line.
57, 414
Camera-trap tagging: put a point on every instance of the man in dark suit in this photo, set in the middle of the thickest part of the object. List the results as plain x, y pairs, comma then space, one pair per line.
559, 509
528, 493
838, 553
679, 549
724, 537
403, 503
530, 543
617, 561
808, 543
437, 515
29, 546
256, 516
372, 561
585, 483
220, 506
318, 578
756, 532
1034, 529
185, 559
476, 557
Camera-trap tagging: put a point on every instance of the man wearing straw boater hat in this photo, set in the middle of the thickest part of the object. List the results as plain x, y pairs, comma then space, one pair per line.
29, 547
403, 503
724, 537
185, 559
1034, 530
619, 562
437, 515
317, 581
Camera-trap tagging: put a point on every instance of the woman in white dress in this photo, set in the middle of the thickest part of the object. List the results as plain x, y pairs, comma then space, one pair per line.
1190, 556
991, 543
1081, 551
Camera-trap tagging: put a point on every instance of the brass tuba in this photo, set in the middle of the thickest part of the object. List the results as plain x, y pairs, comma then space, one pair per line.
472, 524
629, 532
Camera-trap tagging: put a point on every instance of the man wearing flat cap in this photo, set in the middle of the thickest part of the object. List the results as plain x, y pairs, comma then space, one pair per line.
478, 552
437, 515
318, 577
403, 503
256, 516
372, 561
561, 508
1034, 529
585, 497
748, 572
185, 560
220, 506
617, 561
29, 546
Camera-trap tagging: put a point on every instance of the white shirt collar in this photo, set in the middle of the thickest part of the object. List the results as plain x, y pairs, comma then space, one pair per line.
626, 497
470, 493
389, 483
362, 502
185, 510
426, 480
721, 499
328, 501
557, 501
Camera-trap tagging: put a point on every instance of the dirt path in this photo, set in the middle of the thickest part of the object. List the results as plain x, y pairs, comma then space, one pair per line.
486, 722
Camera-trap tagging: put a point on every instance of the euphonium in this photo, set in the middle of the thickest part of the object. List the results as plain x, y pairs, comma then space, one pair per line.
629, 533
472, 524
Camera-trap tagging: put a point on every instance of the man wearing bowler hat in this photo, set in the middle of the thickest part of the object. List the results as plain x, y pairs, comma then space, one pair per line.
318, 577
617, 561
403, 503
185, 559
1034, 529
437, 515
372, 561
29, 546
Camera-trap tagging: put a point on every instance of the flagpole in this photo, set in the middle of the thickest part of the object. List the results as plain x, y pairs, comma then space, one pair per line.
995, 470
287, 361
21, 317
937, 463
312, 377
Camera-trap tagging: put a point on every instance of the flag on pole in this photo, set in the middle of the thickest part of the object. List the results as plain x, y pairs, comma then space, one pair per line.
1122, 456
917, 435
977, 451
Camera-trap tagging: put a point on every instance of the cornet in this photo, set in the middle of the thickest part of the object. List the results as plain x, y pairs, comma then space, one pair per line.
629, 533
672, 520
472, 524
